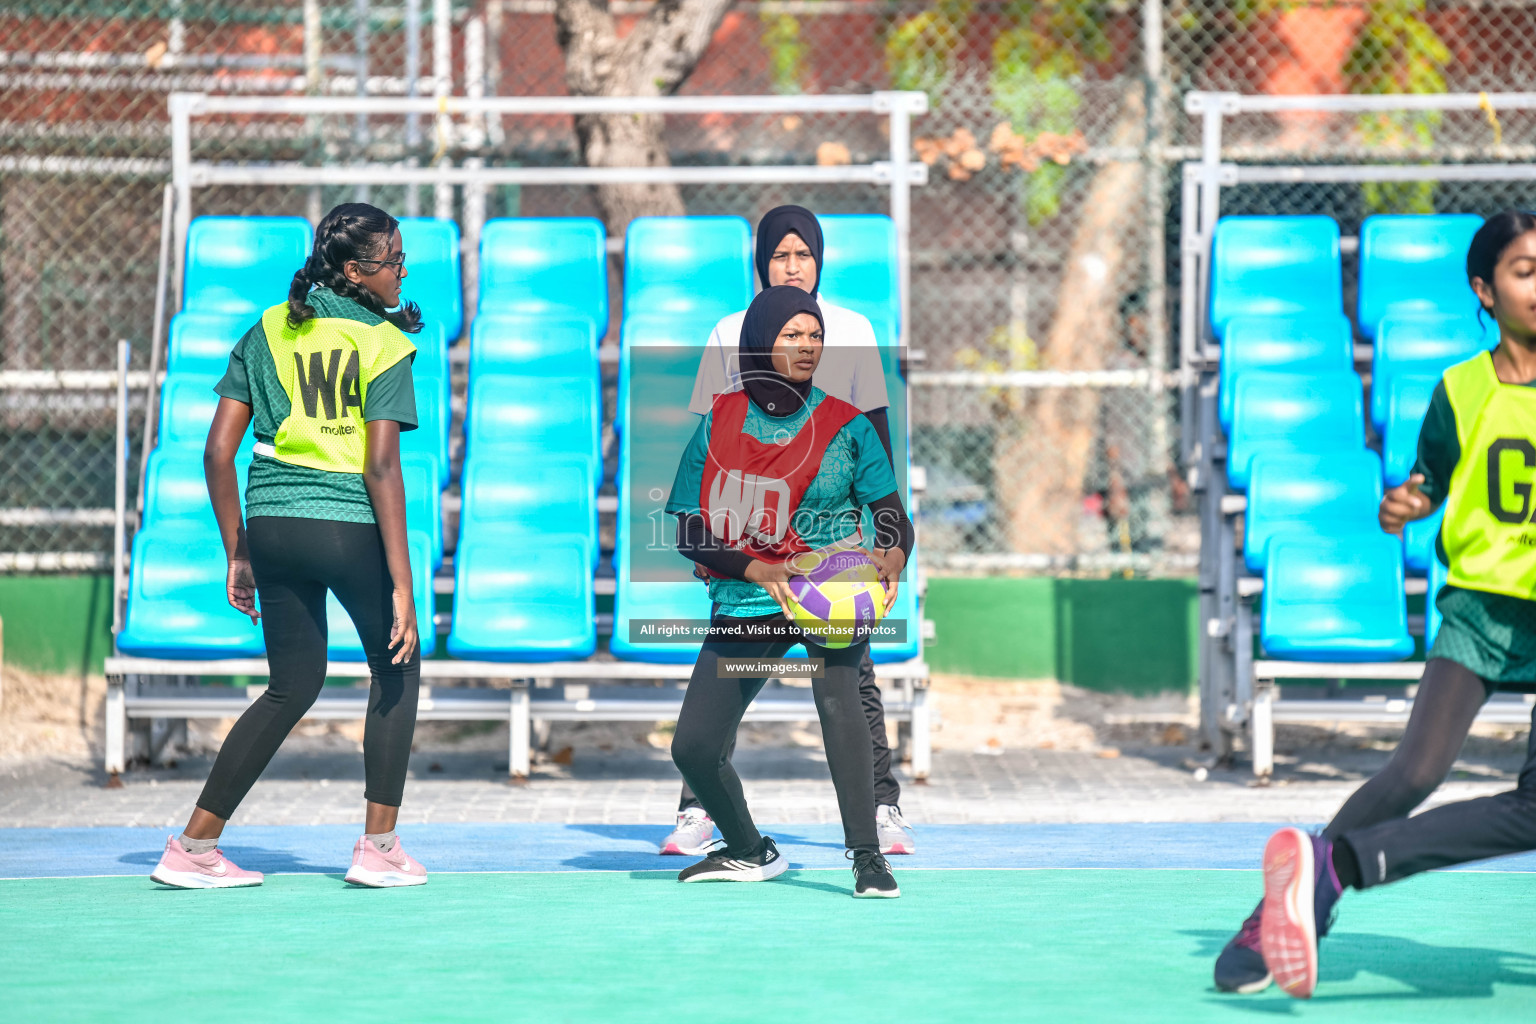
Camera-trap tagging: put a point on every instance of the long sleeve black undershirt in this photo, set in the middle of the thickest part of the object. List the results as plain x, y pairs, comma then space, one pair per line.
695, 541
892, 527
881, 421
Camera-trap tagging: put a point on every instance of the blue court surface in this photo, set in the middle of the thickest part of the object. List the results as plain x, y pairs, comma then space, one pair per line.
301, 849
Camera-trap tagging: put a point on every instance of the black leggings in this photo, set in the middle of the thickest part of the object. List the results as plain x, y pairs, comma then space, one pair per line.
712, 710
1374, 822
295, 562
887, 789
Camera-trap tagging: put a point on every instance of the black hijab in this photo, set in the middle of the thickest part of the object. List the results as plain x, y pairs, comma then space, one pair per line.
780, 221
772, 392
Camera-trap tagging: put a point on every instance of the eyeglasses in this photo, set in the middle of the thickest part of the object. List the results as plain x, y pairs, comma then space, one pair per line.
397, 263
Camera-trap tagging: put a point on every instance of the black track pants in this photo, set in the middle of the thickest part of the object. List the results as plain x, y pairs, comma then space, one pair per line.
887, 789
712, 710
1374, 822
295, 562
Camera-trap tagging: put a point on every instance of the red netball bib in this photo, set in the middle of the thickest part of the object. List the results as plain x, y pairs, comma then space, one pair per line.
750, 489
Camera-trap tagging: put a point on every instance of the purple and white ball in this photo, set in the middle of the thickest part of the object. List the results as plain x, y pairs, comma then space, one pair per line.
839, 601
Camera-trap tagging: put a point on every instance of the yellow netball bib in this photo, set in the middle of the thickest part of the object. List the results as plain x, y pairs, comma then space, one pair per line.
1488, 535
325, 368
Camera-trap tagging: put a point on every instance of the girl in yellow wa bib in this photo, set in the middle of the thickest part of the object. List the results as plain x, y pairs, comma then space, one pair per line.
324, 379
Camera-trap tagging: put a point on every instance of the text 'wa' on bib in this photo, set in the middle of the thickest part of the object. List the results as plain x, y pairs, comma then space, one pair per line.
325, 366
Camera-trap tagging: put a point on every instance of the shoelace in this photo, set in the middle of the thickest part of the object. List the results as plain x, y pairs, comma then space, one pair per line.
865, 860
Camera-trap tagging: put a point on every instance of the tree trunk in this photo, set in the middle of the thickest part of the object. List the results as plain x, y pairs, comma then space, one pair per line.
652, 59
1046, 455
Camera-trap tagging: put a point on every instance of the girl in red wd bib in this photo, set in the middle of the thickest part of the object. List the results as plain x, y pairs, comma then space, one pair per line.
776, 470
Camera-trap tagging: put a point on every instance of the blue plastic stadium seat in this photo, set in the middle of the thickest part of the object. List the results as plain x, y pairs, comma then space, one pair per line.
1415, 264
431, 434
671, 369
431, 352
176, 601
175, 486
1311, 495
1419, 541
1424, 345
860, 269
698, 268
187, 403
1284, 344
503, 492
420, 473
201, 342
236, 265
534, 345
523, 595
343, 642
1283, 412
541, 416
432, 279
660, 331
1335, 599
1407, 403
1275, 266
554, 267
519, 594
1432, 617
651, 599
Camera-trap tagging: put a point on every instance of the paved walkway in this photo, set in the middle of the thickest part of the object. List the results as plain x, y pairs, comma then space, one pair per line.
783, 784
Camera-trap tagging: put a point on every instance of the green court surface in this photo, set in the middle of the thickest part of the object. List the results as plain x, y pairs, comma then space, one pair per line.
961, 945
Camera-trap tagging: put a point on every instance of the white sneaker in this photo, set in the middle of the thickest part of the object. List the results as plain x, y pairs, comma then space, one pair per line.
692, 835
895, 833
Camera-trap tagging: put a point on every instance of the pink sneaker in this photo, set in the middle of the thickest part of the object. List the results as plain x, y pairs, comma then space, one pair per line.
692, 835
211, 870
384, 870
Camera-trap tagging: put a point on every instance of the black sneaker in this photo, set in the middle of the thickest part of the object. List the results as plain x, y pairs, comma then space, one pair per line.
724, 866
872, 878
1240, 968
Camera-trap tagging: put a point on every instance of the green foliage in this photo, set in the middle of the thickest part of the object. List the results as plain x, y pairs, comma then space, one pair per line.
1036, 67
1037, 62
787, 51
920, 50
1397, 51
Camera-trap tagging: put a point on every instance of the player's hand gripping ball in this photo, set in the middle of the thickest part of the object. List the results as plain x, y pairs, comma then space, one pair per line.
836, 597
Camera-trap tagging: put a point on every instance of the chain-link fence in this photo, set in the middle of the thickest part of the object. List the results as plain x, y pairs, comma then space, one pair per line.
1044, 248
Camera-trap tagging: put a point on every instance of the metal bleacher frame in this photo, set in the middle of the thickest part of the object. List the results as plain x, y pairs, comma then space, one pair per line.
168, 692
1238, 691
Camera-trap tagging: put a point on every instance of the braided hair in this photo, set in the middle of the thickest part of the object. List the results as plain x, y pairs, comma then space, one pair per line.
351, 231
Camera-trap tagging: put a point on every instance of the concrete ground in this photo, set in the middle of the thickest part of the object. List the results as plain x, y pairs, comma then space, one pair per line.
320, 781
1006, 751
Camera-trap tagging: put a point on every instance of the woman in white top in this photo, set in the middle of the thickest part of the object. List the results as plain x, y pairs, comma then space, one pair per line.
789, 252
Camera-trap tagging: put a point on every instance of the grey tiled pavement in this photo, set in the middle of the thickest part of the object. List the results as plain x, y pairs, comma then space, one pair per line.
785, 785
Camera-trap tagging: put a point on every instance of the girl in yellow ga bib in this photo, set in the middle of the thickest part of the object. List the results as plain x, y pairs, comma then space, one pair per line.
1477, 455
